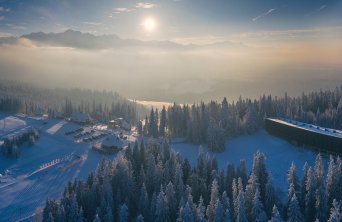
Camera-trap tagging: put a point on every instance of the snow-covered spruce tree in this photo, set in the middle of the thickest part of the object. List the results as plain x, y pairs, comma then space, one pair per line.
260, 171
258, 212
185, 214
200, 211
251, 120
319, 172
310, 197
230, 174
97, 218
275, 215
171, 201
219, 211
162, 212
292, 179
321, 204
140, 218
251, 188
335, 212
241, 172
227, 216
293, 212
213, 198
270, 196
303, 186
123, 213
215, 137
143, 206
162, 124
153, 124
241, 212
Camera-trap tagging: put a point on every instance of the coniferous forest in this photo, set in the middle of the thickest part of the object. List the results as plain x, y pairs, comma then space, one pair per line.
213, 122
150, 182
101, 105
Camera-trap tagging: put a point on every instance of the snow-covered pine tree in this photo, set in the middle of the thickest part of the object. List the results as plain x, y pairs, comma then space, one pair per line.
162, 124
227, 216
275, 215
270, 197
310, 197
185, 214
140, 218
258, 212
123, 213
293, 212
162, 209
241, 212
335, 212
200, 211
214, 194
321, 204
219, 211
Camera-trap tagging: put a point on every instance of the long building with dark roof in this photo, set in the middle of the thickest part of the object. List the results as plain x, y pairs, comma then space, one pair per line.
307, 135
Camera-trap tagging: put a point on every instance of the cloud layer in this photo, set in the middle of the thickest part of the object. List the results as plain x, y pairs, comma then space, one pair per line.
166, 71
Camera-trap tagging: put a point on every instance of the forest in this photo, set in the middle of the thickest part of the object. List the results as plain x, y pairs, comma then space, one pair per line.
150, 182
213, 122
101, 105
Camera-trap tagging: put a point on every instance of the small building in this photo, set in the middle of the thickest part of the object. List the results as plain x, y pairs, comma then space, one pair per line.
120, 123
307, 135
80, 118
111, 144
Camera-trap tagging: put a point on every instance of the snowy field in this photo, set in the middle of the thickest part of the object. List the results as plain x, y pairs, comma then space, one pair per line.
279, 154
42, 170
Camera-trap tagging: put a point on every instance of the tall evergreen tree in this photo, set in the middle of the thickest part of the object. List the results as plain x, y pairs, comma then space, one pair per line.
293, 212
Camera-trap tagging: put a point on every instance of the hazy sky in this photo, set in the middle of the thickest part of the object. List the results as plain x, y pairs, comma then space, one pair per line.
182, 50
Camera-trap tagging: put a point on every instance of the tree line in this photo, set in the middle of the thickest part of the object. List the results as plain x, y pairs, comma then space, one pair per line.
101, 105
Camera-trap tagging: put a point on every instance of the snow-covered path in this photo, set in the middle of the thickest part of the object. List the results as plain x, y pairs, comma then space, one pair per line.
56, 127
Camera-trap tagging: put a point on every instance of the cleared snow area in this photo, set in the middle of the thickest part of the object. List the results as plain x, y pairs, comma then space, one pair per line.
279, 154
56, 127
43, 170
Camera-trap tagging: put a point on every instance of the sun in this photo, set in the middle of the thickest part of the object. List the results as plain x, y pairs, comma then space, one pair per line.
149, 24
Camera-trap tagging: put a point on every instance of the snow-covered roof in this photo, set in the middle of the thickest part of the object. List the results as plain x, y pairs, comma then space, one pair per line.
80, 117
309, 127
112, 141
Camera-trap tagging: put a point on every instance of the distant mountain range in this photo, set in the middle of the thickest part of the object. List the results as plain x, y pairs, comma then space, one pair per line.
77, 39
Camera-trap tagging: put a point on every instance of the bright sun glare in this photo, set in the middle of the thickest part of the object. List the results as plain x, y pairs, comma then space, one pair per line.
149, 24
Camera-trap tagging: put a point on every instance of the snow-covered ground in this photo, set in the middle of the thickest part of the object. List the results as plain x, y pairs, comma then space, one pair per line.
43, 170
279, 154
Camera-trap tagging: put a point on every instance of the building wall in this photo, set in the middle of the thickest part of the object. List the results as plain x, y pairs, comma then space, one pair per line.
302, 137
